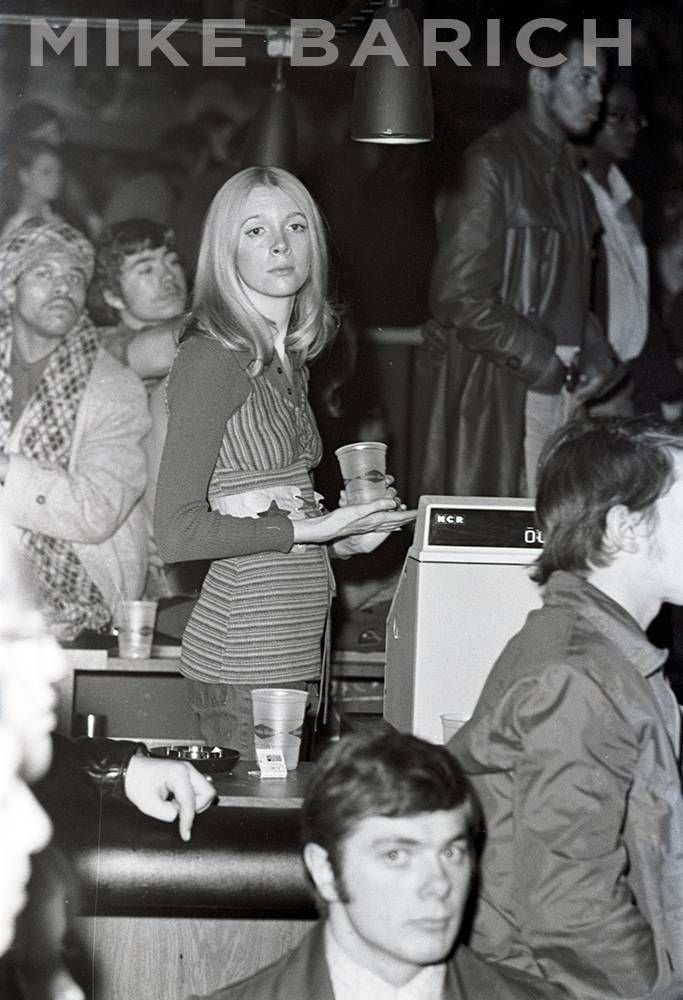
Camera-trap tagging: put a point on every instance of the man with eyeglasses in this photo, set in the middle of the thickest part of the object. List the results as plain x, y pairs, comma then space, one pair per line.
511, 286
623, 297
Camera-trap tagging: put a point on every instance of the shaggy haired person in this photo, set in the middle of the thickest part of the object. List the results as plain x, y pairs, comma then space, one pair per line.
574, 745
235, 481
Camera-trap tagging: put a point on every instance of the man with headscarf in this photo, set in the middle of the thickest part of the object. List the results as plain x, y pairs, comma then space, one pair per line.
72, 420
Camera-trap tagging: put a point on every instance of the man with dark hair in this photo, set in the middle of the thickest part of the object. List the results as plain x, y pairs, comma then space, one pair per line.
138, 294
387, 842
574, 745
511, 288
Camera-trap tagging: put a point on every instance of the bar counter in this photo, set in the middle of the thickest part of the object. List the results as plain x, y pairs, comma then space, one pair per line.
161, 919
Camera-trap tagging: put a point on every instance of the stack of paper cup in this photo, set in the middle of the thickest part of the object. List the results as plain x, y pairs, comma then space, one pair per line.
363, 468
278, 718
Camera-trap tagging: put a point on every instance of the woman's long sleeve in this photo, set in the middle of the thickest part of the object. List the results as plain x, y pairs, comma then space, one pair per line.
206, 386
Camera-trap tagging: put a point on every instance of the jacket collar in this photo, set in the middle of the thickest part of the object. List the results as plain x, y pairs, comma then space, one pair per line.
549, 150
608, 617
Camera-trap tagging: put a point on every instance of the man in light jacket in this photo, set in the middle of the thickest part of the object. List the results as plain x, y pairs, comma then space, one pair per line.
72, 420
574, 747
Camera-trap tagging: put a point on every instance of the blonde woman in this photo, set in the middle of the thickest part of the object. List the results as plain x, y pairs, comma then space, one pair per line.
235, 481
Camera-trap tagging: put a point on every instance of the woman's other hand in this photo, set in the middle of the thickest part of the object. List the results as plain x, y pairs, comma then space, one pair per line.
378, 516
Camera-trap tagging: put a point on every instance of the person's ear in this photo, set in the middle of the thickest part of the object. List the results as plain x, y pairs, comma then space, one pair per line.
9, 294
317, 862
539, 80
622, 529
115, 301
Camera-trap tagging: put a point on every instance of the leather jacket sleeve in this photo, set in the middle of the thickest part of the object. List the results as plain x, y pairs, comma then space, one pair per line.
105, 762
596, 352
80, 768
468, 283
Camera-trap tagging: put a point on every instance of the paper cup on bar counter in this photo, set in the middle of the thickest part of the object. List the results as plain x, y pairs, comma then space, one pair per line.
278, 719
134, 623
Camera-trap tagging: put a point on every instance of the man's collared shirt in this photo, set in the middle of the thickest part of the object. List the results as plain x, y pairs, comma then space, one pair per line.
351, 981
628, 284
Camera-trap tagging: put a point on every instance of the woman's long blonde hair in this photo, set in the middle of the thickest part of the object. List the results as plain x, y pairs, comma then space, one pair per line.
221, 307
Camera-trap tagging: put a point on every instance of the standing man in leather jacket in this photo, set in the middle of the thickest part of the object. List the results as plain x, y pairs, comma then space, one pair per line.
511, 287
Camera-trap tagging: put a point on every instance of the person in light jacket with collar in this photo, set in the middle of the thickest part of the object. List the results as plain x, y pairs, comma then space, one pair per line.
72, 420
574, 747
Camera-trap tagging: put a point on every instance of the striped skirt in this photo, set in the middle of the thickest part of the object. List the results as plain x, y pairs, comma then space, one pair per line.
260, 619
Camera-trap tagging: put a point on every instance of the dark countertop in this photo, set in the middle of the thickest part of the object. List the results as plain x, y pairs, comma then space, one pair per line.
242, 860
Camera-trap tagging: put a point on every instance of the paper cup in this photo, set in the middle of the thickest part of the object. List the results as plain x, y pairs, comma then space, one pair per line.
134, 621
278, 718
363, 467
451, 723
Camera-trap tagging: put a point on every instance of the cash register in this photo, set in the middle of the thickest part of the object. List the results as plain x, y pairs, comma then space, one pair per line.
463, 592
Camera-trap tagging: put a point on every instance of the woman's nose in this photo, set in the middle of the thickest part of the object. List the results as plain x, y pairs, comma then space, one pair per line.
281, 245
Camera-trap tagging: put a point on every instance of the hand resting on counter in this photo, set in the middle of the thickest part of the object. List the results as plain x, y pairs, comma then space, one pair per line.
150, 781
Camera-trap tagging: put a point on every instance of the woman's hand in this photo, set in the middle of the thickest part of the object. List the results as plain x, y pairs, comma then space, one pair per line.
353, 519
356, 545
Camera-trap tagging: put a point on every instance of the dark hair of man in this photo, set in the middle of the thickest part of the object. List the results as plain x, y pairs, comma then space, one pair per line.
118, 241
388, 774
590, 466
30, 116
545, 43
21, 156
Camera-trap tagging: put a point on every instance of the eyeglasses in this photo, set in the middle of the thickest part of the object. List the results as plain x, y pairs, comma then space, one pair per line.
626, 118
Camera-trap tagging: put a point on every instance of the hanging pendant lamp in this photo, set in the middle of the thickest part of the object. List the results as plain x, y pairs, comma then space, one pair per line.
393, 104
271, 139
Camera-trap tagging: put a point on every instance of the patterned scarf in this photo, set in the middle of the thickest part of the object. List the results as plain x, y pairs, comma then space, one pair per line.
72, 600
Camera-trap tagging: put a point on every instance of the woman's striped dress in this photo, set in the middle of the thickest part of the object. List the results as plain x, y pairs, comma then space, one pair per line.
260, 618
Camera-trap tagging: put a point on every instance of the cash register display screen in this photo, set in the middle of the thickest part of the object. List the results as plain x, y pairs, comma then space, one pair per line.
483, 527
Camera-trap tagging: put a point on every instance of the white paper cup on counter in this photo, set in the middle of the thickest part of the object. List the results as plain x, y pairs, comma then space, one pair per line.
451, 722
278, 719
363, 467
134, 623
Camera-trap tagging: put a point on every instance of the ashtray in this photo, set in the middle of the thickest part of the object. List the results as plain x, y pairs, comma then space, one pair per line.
208, 760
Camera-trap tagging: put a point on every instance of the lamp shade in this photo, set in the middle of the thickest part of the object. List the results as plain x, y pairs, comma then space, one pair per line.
393, 104
271, 139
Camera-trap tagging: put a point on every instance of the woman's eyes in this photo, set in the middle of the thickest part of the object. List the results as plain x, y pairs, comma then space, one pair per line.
294, 227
